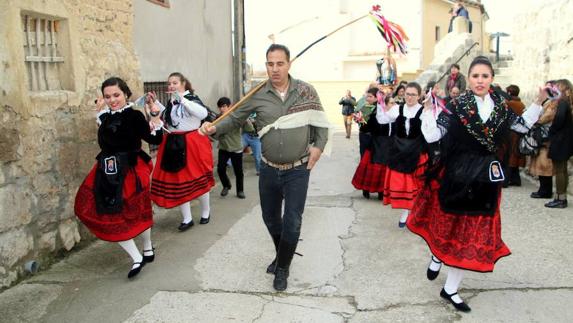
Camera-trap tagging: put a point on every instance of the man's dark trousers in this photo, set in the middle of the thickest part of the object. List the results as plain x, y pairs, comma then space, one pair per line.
290, 185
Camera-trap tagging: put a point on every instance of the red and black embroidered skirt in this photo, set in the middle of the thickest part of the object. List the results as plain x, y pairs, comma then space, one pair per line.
170, 189
136, 215
401, 189
369, 176
471, 242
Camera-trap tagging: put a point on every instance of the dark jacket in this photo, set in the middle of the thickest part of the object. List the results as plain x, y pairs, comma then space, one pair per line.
561, 132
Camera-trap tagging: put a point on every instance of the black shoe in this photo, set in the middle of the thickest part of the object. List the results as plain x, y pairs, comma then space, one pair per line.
459, 306
225, 191
272, 266
280, 281
431, 274
135, 271
185, 226
537, 195
241, 195
380, 196
151, 258
366, 194
557, 204
205, 220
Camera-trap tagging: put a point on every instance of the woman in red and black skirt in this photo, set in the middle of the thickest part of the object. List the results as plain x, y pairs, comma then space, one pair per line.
457, 210
184, 167
113, 201
406, 154
369, 175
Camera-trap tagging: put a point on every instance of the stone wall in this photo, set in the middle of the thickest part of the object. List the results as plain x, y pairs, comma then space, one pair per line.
47, 139
542, 45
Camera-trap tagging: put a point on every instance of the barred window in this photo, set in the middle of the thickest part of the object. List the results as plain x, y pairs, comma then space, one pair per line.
42, 52
160, 88
164, 3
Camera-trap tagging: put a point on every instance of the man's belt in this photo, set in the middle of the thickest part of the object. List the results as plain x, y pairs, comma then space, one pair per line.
286, 166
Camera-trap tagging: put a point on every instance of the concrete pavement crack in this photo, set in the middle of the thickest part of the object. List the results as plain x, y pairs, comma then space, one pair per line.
267, 302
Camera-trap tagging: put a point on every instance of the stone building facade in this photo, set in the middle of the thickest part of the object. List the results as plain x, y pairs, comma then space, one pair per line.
54, 55
542, 44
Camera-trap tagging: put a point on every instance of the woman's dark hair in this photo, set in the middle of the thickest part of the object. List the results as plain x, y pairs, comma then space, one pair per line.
398, 90
481, 60
430, 85
567, 94
512, 90
183, 79
372, 90
112, 81
387, 99
416, 86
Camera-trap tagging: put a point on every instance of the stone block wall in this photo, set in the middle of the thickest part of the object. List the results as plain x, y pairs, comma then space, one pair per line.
542, 44
48, 138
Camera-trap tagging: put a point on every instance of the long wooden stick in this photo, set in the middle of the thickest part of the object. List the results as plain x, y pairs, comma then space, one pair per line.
263, 83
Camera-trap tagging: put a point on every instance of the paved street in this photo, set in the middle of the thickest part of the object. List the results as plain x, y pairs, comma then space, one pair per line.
357, 266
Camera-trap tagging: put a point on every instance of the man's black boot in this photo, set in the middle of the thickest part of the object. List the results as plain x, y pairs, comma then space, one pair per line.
276, 241
284, 258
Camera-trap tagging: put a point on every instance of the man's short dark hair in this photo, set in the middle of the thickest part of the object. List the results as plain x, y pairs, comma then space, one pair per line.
223, 101
512, 90
274, 47
456, 66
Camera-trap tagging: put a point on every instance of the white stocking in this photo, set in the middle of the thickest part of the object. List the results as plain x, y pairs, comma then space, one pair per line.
147, 245
453, 282
404, 216
435, 264
205, 207
186, 212
130, 247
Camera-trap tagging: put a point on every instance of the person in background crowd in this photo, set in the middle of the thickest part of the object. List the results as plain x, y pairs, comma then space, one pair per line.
348, 102
516, 159
561, 142
251, 139
455, 79
230, 147
540, 165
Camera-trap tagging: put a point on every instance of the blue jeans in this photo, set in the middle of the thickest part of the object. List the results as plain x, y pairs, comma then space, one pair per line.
291, 186
255, 143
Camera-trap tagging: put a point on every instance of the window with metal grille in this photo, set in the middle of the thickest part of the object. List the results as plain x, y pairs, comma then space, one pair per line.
164, 3
160, 89
42, 50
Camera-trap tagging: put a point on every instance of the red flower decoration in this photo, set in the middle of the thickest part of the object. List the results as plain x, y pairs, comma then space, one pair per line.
486, 131
472, 112
464, 121
376, 8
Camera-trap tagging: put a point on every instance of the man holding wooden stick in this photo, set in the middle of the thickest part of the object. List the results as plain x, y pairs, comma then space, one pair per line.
294, 133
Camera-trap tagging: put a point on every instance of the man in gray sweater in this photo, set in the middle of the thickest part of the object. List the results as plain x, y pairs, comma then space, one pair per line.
293, 136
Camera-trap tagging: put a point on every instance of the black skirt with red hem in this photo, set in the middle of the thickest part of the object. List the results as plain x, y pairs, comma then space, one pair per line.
136, 215
471, 242
171, 189
369, 176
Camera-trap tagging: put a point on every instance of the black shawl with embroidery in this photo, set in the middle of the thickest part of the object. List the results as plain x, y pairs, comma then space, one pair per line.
466, 153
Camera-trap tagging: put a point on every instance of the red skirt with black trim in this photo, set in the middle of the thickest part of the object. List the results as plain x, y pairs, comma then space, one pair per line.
195, 179
401, 189
136, 215
369, 176
471, 242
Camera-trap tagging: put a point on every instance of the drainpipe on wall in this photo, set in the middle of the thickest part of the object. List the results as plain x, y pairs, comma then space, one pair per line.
239, 57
